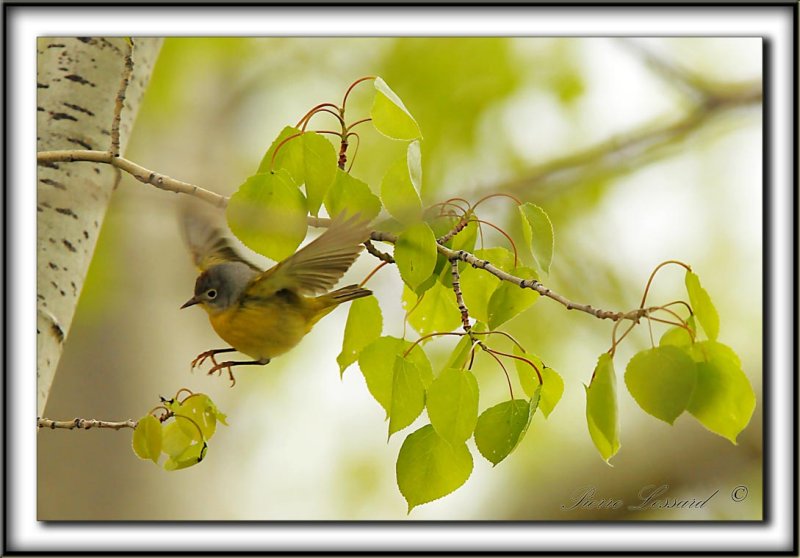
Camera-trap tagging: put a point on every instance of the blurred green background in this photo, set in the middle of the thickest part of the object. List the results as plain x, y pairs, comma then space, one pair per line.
633, 169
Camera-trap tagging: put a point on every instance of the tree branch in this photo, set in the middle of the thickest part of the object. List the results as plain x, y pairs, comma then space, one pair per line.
462, 307
140, 173
383, 256
630, 150
84, 424
127, 72
172, 185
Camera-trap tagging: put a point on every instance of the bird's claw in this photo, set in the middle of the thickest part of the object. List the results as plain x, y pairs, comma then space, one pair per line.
202, 357
218, 368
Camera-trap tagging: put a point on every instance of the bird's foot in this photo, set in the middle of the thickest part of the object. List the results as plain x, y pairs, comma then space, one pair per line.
218, 368
202, 357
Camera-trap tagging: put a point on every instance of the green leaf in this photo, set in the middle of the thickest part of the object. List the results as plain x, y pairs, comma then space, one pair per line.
190, 456
537, 230
678, 336
351, 195
289, 156
364, 325
414, 159
602, 410
551, 390
460, 355
268, 214
429, 467
661, 380
437, 311
376, 362
199, 408
723, 399
452, 403
147, 437
309, 159
175, 441
702, 306
501, 428
478, 285
415, 254
319, 168
498, 257
464, 240
390, 117
399, 196
408, 394
220, 416
508, 299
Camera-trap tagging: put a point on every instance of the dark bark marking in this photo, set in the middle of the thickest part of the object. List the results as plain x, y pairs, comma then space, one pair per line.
63, 116
78, 79
53, 183
58, 332
69, 245
66, 211
79, 108
79, 142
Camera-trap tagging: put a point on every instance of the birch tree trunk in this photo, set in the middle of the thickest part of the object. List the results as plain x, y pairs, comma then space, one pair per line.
80, 81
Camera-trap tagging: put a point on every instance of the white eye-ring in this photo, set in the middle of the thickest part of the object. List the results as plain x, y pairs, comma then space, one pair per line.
211, 293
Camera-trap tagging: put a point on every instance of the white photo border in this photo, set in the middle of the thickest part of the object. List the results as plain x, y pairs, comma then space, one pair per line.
776, 23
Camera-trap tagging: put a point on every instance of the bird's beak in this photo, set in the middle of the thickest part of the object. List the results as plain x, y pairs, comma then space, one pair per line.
191, 302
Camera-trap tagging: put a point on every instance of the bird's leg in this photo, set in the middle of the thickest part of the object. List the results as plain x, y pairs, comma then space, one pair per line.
230, 363
201, 358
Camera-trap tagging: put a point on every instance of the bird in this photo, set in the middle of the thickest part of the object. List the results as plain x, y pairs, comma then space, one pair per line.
264, 314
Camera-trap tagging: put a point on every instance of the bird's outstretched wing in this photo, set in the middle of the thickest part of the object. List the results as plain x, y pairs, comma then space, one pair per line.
203, 233
318, 266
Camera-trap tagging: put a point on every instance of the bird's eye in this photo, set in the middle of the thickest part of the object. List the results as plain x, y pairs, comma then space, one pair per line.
211, 293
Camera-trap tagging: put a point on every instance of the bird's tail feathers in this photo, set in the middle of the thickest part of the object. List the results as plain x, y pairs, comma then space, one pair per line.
350, 292
335, 298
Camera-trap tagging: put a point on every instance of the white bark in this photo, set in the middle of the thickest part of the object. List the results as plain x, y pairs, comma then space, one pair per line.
78, 82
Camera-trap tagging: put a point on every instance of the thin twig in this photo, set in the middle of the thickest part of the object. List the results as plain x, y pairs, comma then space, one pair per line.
84, 424
523, 359
172, 185
127, 72
460, 226
383, 256
500, 362
459, 296
140, 173
687, 267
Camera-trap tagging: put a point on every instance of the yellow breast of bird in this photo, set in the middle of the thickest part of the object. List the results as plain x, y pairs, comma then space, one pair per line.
265, 327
